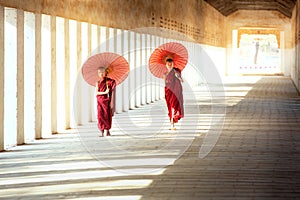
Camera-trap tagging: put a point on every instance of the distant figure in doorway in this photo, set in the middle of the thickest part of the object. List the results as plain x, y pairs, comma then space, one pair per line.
105, 94
173, 93
256, 52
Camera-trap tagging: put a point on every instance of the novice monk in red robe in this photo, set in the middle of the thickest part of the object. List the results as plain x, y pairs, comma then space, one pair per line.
105, 101
173, 93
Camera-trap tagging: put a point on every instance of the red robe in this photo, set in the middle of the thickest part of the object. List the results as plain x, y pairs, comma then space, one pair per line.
173, 95
105, 112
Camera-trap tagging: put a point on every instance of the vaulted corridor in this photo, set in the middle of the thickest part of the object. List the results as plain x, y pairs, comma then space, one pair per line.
239, 137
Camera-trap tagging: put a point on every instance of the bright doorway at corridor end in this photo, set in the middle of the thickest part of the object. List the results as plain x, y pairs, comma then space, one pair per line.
259, 54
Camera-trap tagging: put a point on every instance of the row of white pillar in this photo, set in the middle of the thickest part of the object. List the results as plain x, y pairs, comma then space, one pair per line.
41, 87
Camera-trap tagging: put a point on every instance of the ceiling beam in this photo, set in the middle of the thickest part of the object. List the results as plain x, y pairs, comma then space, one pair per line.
227, 7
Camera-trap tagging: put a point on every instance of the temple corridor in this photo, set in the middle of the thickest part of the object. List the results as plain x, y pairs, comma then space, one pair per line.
240, 77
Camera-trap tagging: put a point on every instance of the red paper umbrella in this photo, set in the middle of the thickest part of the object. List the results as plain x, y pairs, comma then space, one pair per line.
116, 65
174, 50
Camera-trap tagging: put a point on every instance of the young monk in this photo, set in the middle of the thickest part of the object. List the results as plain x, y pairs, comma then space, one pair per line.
105, 101
173, 93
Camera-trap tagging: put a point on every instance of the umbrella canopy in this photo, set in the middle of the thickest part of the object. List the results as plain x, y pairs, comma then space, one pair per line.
116, 66
174, 50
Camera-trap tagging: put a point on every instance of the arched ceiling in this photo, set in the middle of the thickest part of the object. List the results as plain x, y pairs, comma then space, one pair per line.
227, 7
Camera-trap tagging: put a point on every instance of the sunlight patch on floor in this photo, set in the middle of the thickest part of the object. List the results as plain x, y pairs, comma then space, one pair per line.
131, 197
77, 188
67, 176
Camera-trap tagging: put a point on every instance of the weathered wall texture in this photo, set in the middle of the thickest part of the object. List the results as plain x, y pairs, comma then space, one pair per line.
194, 18
296, 24
295, 68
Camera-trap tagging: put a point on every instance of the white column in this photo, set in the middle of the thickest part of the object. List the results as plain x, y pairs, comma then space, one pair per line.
153, 85
126, 48
132, 63
20, 77
161, 89
59, 79
29, 76
67, 102
73, 71
148, 74
77, 91
53, 76
111, 45
157, 88
118, 48
98, 39
85, 99
89, 88
143, 76
107, 41
95, 40
38, 77
89, 39
1, 78
103, 40
46, 75
282, 55
10, 73
137, 84
232, 66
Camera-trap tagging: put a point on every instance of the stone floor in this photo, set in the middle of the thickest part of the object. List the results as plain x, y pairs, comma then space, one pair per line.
244, 145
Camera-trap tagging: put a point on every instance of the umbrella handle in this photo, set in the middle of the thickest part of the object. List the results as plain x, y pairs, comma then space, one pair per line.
177, 75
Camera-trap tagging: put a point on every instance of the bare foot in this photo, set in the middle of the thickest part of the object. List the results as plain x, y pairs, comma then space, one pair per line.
172, 127
108, 133
101, 133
